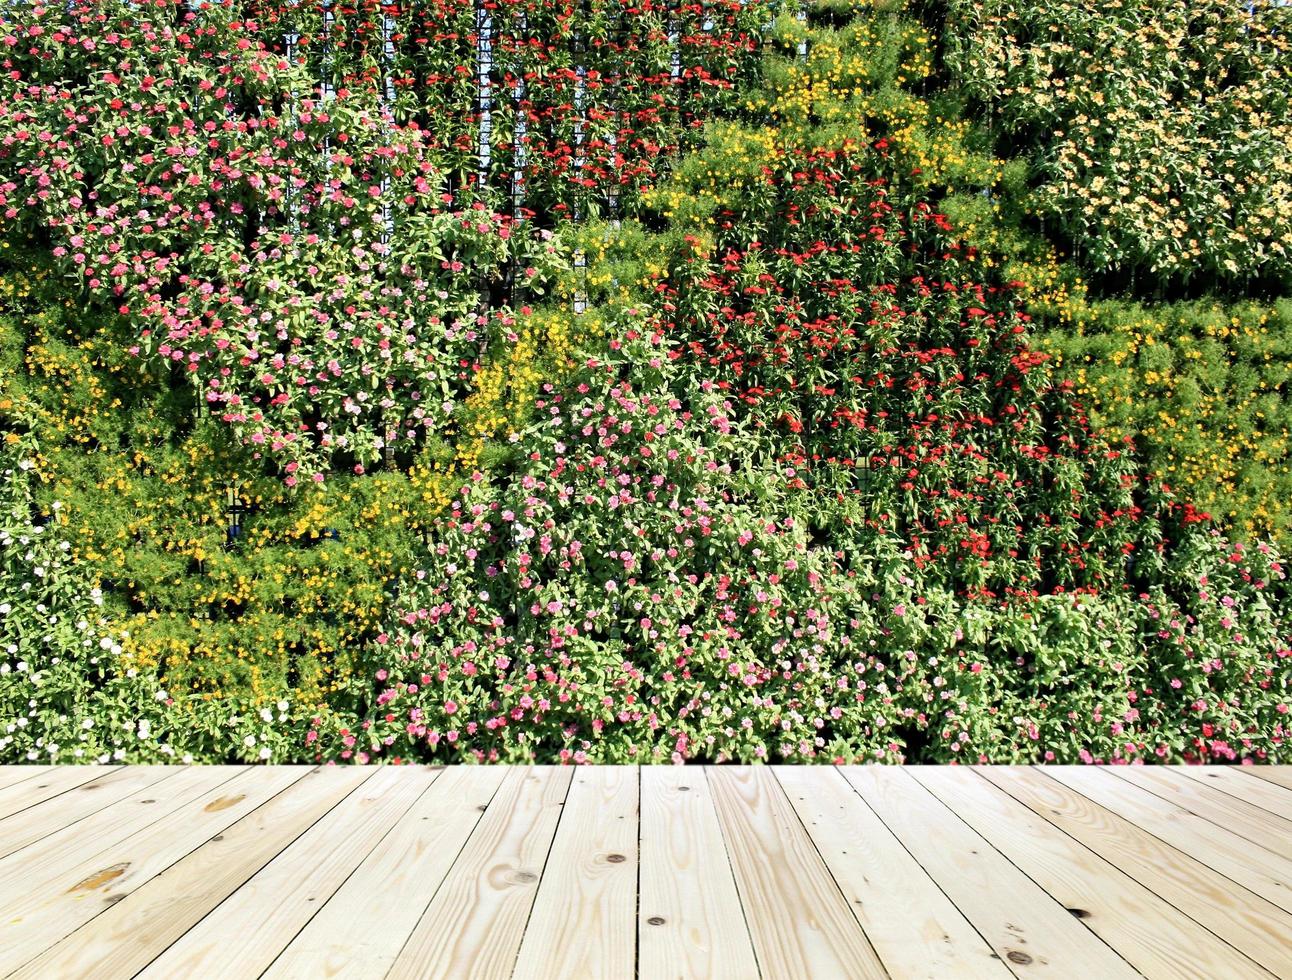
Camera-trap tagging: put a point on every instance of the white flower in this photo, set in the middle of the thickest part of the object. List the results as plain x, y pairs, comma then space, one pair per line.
105, 643
283, 706
249, 741
266, 714
265, 753
87, 724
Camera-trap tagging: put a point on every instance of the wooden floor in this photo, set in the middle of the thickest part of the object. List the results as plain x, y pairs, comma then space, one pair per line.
655, 872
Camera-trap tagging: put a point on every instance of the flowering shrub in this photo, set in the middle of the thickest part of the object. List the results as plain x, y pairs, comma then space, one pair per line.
1200, 387
636, 590
1161, 130
569, 105
276, 251
762, 423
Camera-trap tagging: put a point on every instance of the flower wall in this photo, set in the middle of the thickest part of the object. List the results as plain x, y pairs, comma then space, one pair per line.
587, 382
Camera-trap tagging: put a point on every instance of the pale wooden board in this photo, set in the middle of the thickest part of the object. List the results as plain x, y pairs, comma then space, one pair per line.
584, 922
1246, 921
1279, 775
690, 922
362, 928
913, 926
1031, 931
130, 934
1258, 870
1149, 933
243, 935
46, 786
43, 865
1236, 816
1234, 781
798, 918
37, 822
474, 924
84, 890
17, 774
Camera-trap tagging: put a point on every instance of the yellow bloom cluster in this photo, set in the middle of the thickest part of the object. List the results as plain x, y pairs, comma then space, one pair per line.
1200, 388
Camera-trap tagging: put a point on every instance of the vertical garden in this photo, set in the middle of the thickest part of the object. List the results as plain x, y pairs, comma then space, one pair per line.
584, 381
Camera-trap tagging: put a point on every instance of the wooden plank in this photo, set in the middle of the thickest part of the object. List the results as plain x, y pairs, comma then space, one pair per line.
584, 918
242, 936
913, 926
1258, 870
1149, 933
1233, 815
1027, 927
17, 774
41, 866
690, 922
799, 921
1278, 775
37, 822
1234, 781
362, 928
46, 786
474, 925
47, 914
130, 934
1242, 919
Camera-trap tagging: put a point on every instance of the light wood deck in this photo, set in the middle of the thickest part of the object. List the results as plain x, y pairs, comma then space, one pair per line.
655, 873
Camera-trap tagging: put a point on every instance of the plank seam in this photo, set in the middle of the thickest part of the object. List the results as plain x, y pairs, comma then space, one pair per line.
1164, 842
731, 869
529, 913
1118, 870
166, 816
1233, 793
160, 779
1230, 830
54, 796
936, 884
358, 864
776, 780
207, 913
440, 884
1041, 888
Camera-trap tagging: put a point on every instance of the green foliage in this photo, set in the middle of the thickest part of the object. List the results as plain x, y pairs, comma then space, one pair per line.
1161, 130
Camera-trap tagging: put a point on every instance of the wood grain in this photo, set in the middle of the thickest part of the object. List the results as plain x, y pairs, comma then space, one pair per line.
1024, 925
474, 924
47, 785
37, 822
914, 927
9, 775
1278, 775
1233, 815
1230, 911
365, 924
584, 918
1152, 935
140, 925
659, 873
1233, 780
798, 918
690, 922
1258, 870
83, 889
242, 936
42, 866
